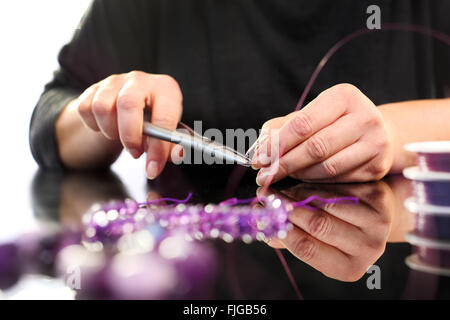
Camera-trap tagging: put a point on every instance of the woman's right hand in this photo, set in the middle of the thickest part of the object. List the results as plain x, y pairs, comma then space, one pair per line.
115, 107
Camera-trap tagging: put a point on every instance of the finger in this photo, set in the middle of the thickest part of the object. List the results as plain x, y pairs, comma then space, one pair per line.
176, 154
317, 148
275, 123
363, 214
331, 230
357, 163
372, 170
261, 158
104, 105
153, 196
335, 167
131, 102
318, 114
325, 226
84, 107
321, 256
167, 108
262, 192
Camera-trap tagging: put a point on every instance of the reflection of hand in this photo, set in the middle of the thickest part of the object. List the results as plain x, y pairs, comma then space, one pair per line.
339, 136
341, 240
80, 190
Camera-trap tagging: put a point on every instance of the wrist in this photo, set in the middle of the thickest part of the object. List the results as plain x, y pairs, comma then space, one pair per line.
80, 147
401, 158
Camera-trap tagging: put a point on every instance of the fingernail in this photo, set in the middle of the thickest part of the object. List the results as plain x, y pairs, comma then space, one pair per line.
152, 170
260, 179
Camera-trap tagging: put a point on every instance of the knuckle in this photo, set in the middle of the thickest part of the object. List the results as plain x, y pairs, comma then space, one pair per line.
164, 120
319, 225
168, 80
111, 79
374, 248
345, 90
300, 125
126, 102
283, 167
374, 119
100, 108
134, 74
330, 168
83, 108
347, 94
329, 207
353, 274
378, 168
304, 249
316, 148
381, 144
170, 84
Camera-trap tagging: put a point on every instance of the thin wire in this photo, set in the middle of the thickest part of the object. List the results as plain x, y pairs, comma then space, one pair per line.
324, 200
387, 27
173, 200
394, 26
288, 273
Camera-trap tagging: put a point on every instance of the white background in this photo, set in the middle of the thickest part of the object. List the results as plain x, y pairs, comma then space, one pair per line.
31, 35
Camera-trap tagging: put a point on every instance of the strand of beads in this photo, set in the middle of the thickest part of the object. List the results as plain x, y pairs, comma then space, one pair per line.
107, 224
228, 220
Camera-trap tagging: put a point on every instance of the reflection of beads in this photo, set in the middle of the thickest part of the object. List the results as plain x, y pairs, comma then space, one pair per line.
228, 221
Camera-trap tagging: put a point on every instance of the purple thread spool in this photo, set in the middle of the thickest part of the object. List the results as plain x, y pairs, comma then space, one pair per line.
431, 252
430, 187
432, 222
432, 155
415, 263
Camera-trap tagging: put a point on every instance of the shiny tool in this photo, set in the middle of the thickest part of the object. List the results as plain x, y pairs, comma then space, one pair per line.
188, 138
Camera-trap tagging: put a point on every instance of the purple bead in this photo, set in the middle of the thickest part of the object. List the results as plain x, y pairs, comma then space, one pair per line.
141, 276
83, 271
196, 271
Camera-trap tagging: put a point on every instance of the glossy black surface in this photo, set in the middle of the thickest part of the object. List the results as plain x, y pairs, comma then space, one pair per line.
254, 271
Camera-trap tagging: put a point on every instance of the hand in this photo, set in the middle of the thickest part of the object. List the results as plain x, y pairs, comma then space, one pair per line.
341, 240
115, 107
340, 136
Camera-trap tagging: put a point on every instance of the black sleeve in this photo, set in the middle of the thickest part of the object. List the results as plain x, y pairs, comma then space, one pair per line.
108, 41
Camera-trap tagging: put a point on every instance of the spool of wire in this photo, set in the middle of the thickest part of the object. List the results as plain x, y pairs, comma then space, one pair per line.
429, 253
430, 187
432, 222
431, 155
431, 205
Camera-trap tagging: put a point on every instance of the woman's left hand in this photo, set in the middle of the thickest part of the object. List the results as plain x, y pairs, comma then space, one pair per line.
340, 136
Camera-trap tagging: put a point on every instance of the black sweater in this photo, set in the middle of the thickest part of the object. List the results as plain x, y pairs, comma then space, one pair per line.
240, 63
